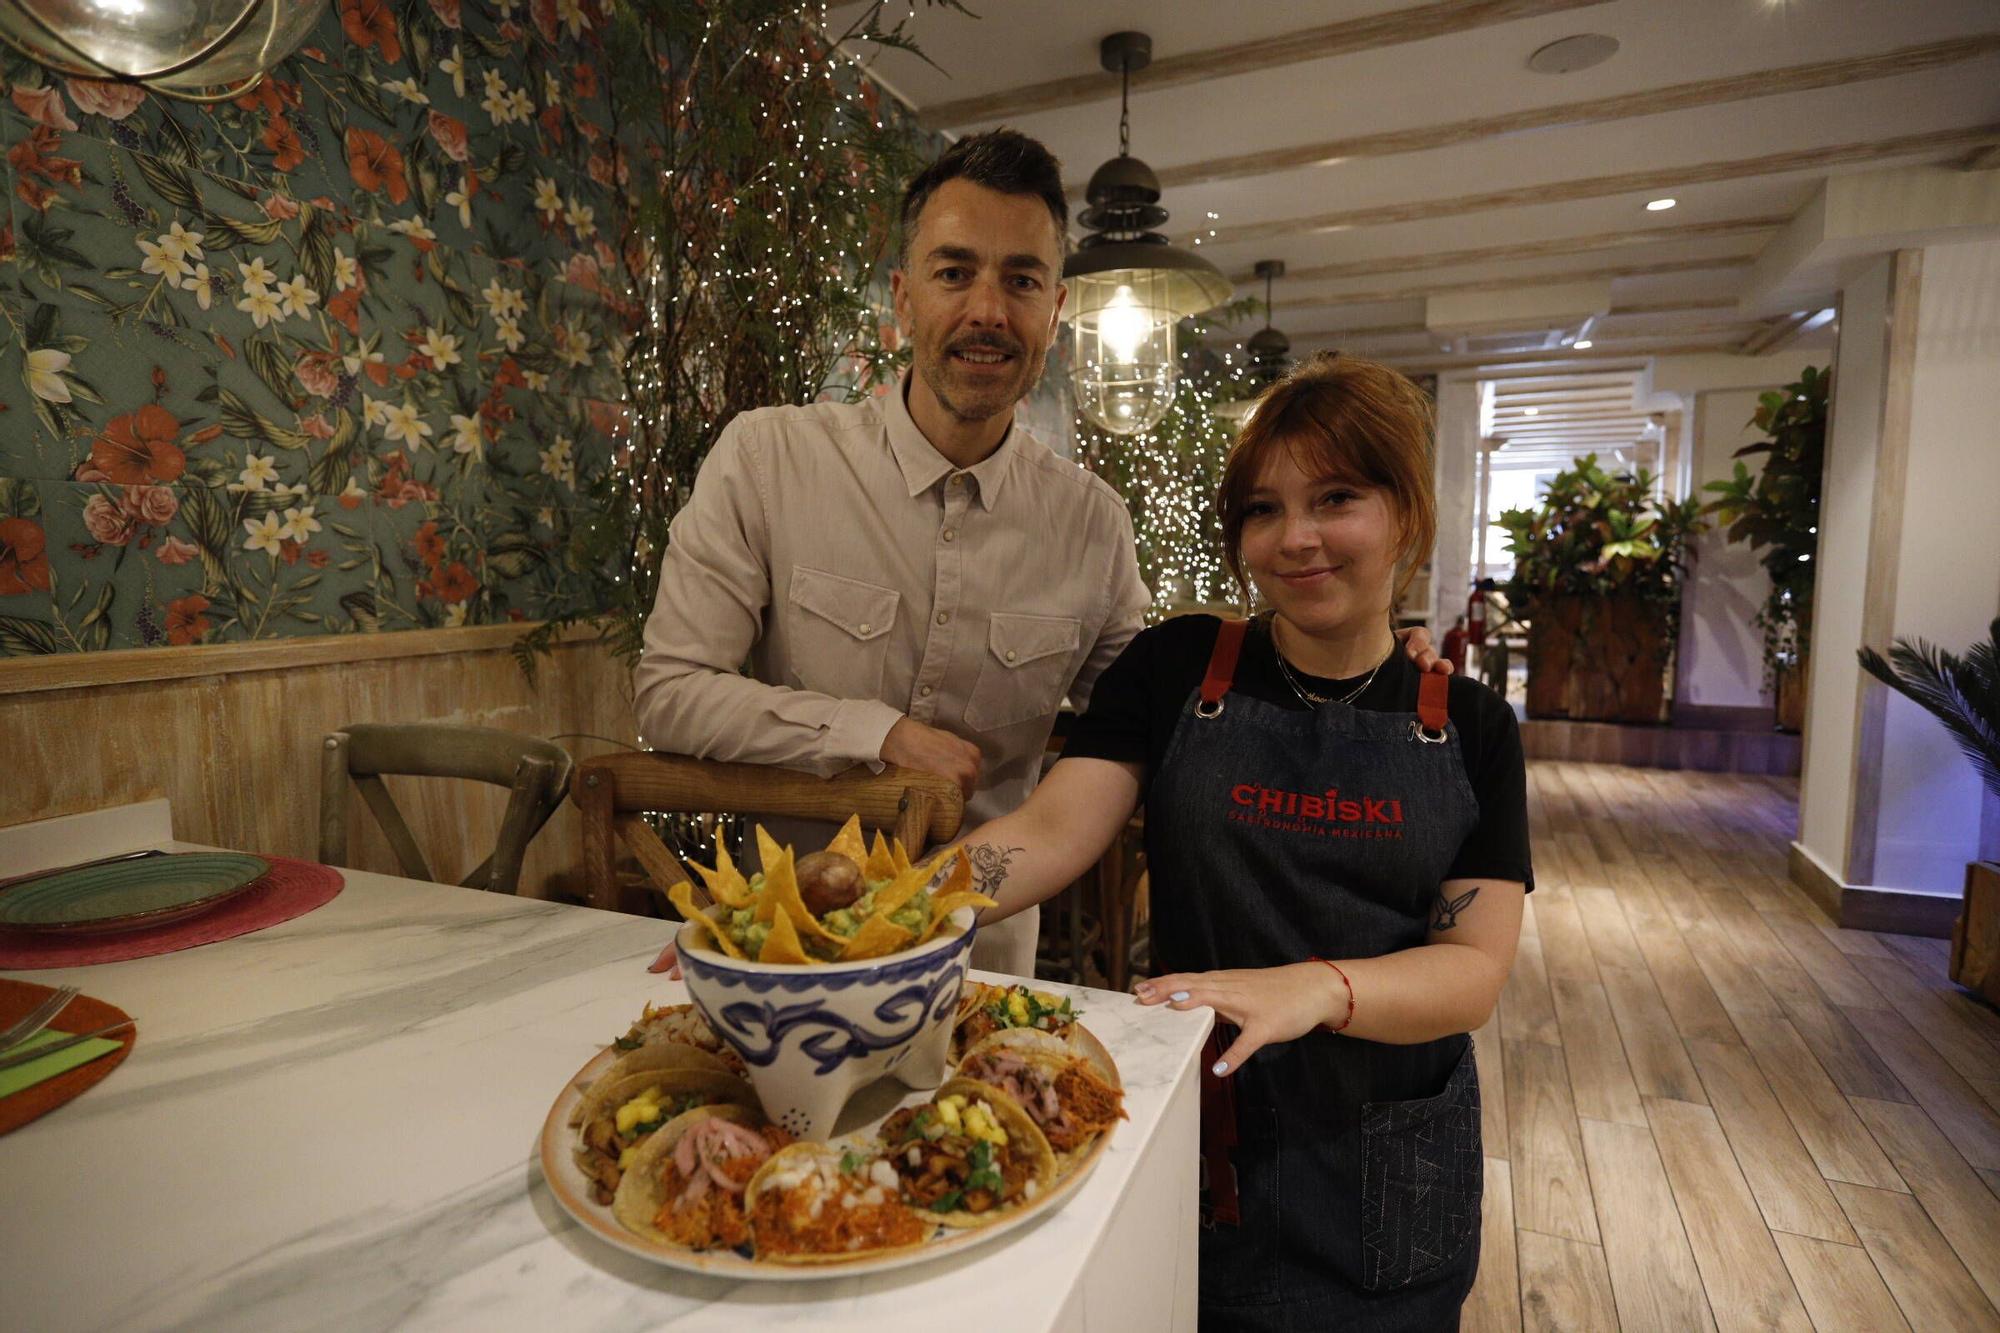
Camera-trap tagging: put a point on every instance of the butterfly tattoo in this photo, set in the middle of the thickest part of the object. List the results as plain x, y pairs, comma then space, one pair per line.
1448, 908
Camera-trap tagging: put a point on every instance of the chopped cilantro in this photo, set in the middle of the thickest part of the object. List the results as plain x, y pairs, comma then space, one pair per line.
628, 1043
946, 1202
850, 1162
984, 1175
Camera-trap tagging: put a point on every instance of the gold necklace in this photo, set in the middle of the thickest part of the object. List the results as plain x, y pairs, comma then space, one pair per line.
1306, 696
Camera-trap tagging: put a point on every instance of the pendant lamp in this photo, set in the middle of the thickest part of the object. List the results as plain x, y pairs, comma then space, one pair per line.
1128, 287
1270, 353
194, 50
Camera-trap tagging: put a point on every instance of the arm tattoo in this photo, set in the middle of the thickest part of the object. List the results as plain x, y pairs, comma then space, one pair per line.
1448, 908
989, 866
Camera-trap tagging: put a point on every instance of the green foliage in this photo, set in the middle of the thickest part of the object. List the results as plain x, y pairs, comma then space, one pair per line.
1777, 511
1961, 692
766, 176
1600, 534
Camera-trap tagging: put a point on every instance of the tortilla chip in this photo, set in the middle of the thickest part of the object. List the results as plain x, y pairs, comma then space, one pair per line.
782, 944
781, 893
725, 883
896, 894
878, 936
849, 844
879, 865
682, 896
899, 856
944, 904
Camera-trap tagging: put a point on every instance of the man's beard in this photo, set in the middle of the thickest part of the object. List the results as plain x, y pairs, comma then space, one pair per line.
936, 370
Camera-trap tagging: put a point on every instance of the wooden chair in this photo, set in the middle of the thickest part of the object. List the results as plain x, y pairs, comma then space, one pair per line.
612, 792
536, 770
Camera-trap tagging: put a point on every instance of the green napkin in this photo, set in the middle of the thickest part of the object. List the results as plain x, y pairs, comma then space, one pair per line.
36, 1071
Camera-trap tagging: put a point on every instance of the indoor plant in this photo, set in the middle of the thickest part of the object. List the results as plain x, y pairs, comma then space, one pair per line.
1964, 694
1598, 572
1777, 512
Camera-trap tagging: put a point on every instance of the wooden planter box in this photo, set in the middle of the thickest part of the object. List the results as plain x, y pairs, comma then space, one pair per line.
1791, 690
1975, 939
1598, 659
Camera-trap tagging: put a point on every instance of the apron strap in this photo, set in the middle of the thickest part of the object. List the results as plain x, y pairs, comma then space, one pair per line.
1221, 666
1432, 692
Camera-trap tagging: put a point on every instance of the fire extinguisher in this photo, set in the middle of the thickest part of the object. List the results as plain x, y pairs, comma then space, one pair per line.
1475, 613
1453, 648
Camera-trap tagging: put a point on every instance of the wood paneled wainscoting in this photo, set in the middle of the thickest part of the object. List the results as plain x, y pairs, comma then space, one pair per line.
231, 735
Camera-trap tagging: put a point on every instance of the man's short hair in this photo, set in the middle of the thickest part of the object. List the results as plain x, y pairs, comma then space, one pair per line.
1004, 160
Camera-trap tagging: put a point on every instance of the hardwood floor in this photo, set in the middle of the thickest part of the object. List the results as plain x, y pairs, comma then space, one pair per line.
1708, 1107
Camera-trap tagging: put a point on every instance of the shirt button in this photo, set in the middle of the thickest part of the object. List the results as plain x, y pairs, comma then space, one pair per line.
949, 534
944, 617
958, 479
866, 627
1010, 657
925, 691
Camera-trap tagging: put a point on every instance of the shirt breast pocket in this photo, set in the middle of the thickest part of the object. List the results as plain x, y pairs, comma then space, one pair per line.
1024, 671
840, 633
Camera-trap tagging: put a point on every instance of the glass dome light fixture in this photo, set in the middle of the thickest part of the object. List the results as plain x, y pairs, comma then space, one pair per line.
1270, 353
194, 50
1128, 287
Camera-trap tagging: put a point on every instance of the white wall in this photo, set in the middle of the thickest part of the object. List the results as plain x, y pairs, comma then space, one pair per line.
1457, 499
1948, 566
1847, 501
1721, 649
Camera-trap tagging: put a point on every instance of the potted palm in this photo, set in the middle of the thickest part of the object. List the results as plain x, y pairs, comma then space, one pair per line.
1598, 573
1777, 512
1964, 694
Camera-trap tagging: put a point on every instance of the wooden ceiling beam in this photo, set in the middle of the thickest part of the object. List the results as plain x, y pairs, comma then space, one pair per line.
1630, 182
1596, 111
1416, 24
1505, 360
1509, 284
1550, 249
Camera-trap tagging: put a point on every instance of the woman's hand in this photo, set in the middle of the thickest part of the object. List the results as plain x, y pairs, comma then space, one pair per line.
668, 962
1265, 1004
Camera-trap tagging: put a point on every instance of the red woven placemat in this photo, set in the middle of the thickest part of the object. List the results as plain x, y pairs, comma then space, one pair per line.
293, 888
83, 1014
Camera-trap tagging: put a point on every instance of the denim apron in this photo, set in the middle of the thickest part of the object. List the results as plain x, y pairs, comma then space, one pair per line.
1342, 1177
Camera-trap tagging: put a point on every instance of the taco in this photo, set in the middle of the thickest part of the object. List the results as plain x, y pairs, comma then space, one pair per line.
653, 1057
984, 1010
814, 1204
968, 1156
1070, 1097
618, 1115
686, 1184
682, 1025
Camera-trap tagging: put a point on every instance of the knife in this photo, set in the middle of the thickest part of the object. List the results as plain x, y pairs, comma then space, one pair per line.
26, 1057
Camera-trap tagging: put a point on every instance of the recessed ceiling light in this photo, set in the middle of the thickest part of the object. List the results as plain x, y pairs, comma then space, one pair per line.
1583, 344
1660, 205
1573, 53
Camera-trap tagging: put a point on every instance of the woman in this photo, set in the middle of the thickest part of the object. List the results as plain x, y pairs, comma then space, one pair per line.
1338, 851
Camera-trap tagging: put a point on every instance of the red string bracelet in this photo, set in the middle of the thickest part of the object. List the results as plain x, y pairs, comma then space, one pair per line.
1350, 994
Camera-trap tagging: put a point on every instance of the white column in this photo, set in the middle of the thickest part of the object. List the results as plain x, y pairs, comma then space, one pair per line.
1909, 547
1457, 497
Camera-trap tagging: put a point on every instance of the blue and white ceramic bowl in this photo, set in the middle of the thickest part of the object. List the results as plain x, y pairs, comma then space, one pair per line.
812, 1036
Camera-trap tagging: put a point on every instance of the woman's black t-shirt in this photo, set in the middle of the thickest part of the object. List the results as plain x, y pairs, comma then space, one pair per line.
1138, 701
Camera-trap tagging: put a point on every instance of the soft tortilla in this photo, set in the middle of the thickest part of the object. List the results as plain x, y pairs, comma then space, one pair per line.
1023, 1135
641, 1193
755, 1190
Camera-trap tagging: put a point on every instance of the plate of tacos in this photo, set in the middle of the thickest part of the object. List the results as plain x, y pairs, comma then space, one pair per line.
658, 1146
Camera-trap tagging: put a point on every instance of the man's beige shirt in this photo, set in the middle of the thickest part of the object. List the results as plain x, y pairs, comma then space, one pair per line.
861, 577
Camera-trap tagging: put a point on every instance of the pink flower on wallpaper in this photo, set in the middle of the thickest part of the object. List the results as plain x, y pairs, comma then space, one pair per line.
107, 522
101, 97
320, 373
174, 551
450, 135
44, 105
447, 13
150, 504
543, 12
280, 207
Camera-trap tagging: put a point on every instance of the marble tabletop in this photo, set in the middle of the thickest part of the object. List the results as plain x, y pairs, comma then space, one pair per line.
332, 1123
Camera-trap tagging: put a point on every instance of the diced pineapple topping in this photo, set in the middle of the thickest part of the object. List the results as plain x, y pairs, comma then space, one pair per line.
640, 1110
981, 1124
949, 1111
1017, 1008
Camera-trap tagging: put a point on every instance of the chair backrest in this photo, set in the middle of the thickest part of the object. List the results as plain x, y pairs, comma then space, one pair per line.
613, 791
537, 772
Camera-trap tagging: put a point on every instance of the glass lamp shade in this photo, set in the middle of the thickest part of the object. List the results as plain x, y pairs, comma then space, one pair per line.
1125, 368
176, 47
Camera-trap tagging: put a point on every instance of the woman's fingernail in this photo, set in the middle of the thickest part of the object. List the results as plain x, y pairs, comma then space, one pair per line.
1221, 1068
1143, 991
1179, 997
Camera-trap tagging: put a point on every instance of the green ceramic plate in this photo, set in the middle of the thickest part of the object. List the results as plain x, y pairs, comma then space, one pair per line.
129, 895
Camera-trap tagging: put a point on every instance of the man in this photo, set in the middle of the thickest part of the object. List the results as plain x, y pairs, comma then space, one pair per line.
911, 580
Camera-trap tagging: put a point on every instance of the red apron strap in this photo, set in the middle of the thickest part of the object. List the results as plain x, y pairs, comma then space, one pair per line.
1222, 661
1432, 692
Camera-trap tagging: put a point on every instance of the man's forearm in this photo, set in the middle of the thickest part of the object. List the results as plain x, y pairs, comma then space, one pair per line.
690, 709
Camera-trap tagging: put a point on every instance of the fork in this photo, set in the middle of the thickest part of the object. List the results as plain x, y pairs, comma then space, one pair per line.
38, 1018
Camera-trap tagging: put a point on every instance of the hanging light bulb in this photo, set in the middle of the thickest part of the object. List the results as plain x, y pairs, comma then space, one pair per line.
177, 48
1270, 353
1128, 286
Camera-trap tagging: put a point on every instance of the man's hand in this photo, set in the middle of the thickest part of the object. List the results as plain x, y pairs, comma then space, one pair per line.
1417, 647
911, 744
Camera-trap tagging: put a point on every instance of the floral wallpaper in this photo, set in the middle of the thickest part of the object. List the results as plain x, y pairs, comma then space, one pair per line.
329, 358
